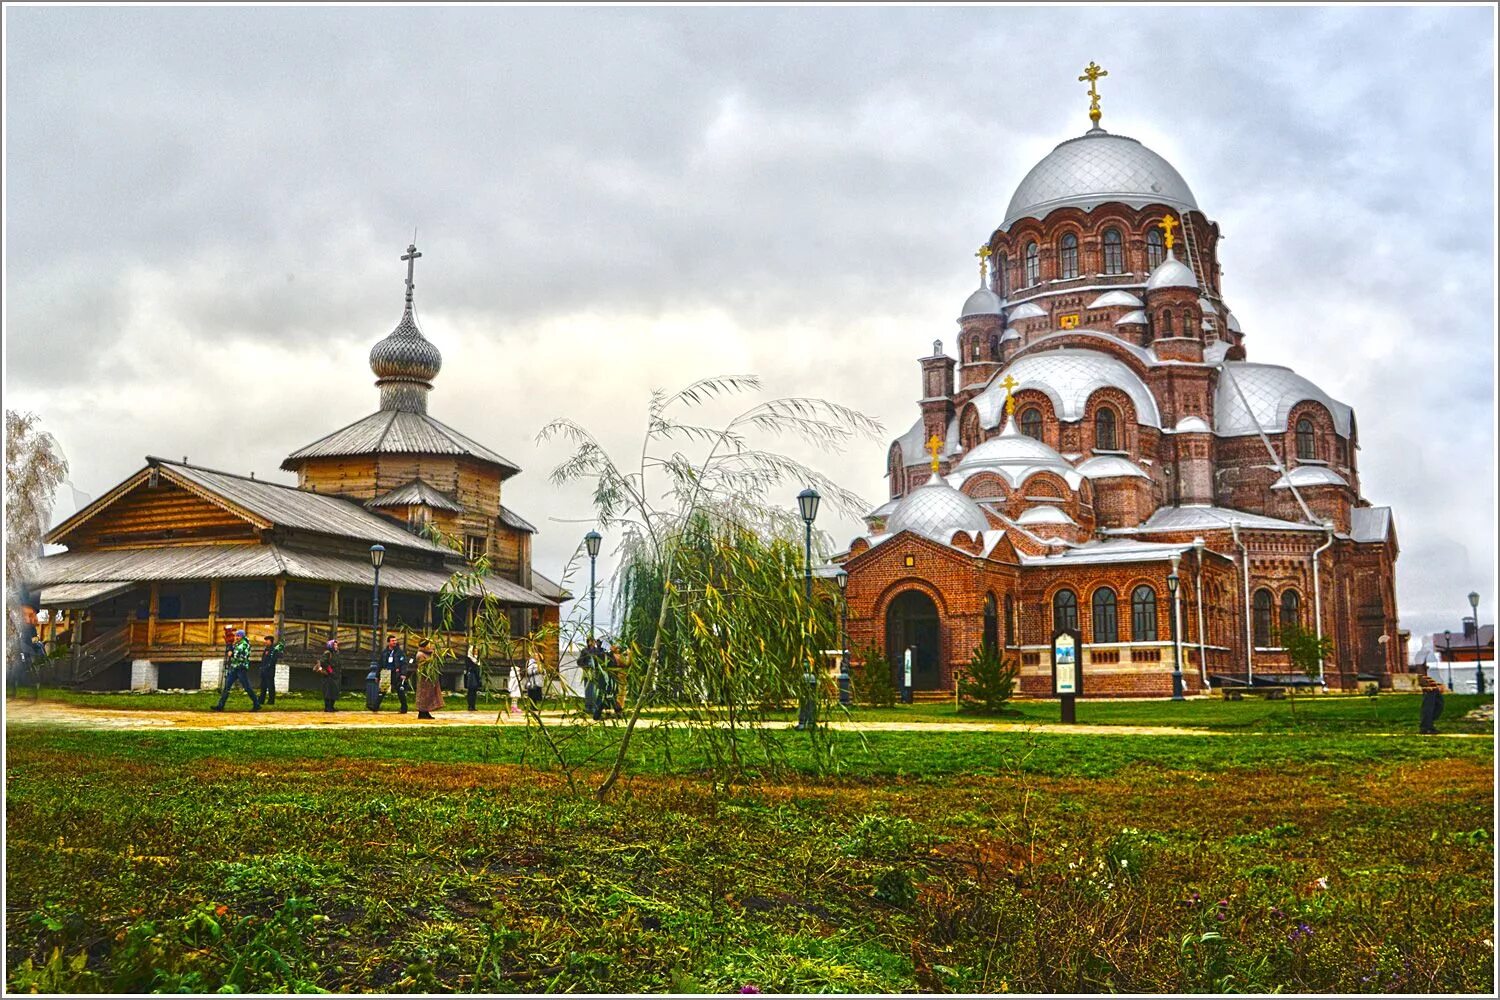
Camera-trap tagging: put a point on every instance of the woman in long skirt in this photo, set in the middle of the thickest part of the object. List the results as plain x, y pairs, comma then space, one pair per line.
429, 691
328, 667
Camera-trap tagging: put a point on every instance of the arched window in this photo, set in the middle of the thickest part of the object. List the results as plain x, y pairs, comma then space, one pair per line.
991, 623
1106, 616
994, 346
1156, 250
974, 349
1031, 422
1033, 264
1002, 276
1307, 444
1166, 323
1114, 252
1262, 618
1010, 620
1291, 608
1104, 429
1143, 614
1068, 257
1064, 610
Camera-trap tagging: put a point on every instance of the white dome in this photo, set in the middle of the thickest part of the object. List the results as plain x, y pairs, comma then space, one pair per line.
1234, 323
982, 303
1027, 310
1095, 168
1136, 316
1271, 391
1044, 514
1069, 376
1117, 297
936, 510
1111, 467
1011, 448
1309, 475
1171, 273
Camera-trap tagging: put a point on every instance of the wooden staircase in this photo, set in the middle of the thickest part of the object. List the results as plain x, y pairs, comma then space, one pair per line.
99, 653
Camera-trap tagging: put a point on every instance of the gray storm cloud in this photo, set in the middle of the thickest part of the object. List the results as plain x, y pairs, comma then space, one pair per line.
204, 209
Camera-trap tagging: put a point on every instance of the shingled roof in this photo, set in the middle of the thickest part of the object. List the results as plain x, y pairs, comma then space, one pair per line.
398, 432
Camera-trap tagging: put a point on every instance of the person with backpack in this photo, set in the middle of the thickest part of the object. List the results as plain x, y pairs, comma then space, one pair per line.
270, 655
328, 670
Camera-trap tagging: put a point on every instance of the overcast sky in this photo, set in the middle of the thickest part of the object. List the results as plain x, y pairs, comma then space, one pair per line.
204, 210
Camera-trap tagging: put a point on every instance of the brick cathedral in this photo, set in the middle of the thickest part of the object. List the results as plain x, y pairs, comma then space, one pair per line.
1102, 455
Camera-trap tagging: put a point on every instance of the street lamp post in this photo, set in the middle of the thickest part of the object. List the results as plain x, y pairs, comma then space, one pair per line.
845, 698
1448, 654
1478, 656
372, 679
807, 505
1172, 583
591, 542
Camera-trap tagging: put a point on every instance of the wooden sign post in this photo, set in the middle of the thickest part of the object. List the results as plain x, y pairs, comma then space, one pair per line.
1067, 672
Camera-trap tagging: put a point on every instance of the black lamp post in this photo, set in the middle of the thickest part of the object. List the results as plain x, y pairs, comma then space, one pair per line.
844, 695
1448, 654
1478, 657
1172, 583
591, 542
807, 504
372, 679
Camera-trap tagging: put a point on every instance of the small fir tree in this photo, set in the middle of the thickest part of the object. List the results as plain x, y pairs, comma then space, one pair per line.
871, 680
988, 684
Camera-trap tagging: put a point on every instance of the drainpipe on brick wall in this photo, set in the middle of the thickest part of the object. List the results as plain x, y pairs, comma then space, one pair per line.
1318, 597
1234, 532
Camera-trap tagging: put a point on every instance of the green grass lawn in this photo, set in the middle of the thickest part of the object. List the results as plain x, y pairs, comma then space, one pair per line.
449, 859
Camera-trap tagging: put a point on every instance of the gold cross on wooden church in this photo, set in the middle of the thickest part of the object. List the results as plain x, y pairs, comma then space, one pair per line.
934, 445
1092, 75
983, 253
1167, 225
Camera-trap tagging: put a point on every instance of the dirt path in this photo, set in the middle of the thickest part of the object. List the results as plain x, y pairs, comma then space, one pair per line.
45, 713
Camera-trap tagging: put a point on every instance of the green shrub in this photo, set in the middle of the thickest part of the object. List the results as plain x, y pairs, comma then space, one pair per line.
871, 680
894, 888
988, 684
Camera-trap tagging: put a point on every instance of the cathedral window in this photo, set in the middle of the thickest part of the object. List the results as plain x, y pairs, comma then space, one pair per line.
1002, 276
1291, 609
1114, 252
994, 346
1033, 265
1069, 256
1156, 250
1166, 323
1262, 618
974, 349
1064, 610
1106, 616
1307, 444
1031, 422
1010, 620
1143, 614
991, 623
1104, 429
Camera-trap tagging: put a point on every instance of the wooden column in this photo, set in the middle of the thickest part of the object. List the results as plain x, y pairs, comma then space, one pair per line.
427, 617
213, 613
278, 607
153, 607
333, 609
382, 616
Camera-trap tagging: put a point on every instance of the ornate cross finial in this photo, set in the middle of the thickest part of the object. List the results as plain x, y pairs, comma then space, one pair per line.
983, 253
1092, 75
1010, 386
410, 257
1167, 225
934, 445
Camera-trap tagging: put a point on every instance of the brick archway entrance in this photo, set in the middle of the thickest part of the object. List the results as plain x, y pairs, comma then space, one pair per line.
912, 621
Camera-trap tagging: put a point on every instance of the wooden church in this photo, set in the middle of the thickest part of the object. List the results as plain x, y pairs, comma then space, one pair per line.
158, 566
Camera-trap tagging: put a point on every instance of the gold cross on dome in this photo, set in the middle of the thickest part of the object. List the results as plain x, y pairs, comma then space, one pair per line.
934, 445
983, 253
1010, 385
1167, 225
1092, 75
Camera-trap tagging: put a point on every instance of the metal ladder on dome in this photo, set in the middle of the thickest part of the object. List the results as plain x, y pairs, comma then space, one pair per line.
1195, 263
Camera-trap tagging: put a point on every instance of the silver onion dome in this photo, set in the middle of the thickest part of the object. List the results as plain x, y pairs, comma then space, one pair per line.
405, 353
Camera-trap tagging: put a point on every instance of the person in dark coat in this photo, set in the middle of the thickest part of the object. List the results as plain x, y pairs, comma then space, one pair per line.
1432, 703
589, 664
328, 669
239, 670
472, 679
612, 670
393, 658
270, 654
532, 682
